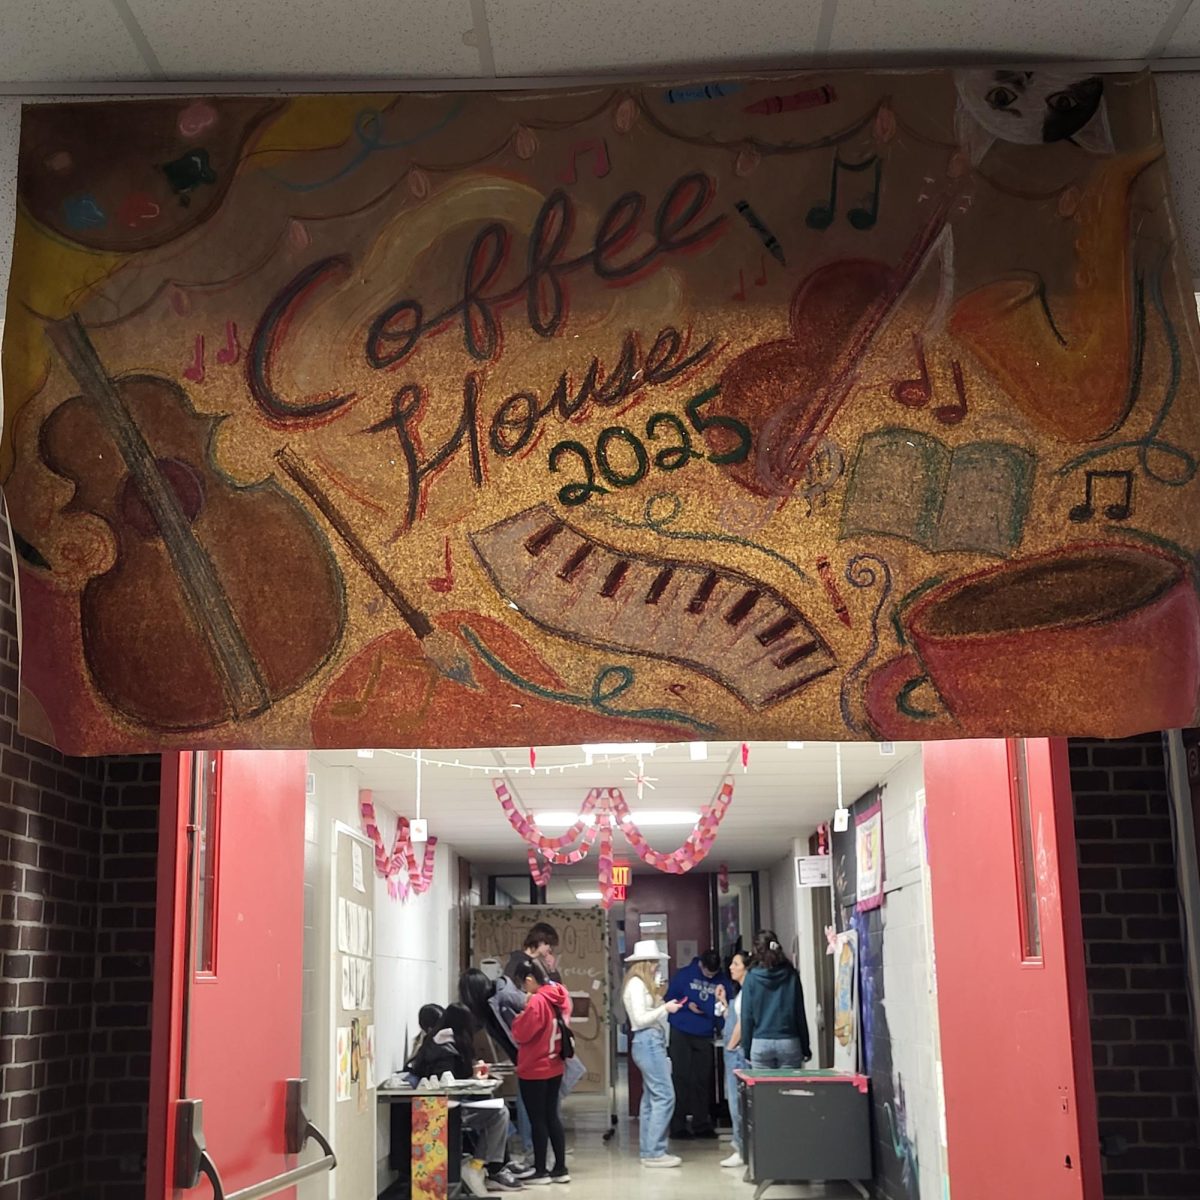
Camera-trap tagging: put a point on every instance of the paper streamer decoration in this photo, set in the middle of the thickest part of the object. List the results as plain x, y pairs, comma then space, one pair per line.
601, 807
399, 868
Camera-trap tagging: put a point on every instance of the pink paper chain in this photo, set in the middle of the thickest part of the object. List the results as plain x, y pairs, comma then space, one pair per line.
693, 852
603, 804
399, 868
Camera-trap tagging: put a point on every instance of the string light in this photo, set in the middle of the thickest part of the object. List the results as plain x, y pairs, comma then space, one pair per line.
493, 769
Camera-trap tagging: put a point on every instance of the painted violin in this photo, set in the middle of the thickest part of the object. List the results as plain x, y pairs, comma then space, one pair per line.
221, 599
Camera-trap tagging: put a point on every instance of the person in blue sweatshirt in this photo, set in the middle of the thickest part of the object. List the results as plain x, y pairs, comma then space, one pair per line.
774, 1024
693, 1031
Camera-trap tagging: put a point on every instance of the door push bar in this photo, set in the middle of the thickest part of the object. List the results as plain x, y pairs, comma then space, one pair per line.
193, 1160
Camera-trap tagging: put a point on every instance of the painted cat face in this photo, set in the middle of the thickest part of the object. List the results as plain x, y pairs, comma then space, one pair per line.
1030, 108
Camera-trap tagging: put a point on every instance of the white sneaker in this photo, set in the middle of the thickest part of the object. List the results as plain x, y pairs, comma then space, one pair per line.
667, 1160
734, 1160
474, 1180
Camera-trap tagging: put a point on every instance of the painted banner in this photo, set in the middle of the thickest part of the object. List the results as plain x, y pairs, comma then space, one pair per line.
848, 405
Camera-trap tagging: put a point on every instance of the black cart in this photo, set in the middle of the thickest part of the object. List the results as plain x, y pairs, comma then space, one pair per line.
799, 1125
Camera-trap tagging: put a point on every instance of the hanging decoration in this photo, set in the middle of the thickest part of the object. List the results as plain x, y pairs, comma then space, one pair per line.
399, 868
723, 878
601, 809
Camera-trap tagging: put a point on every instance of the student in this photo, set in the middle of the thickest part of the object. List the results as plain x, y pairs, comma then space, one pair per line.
541, 942
451, 1048
429, 1018
735, 1060
495, 1006
493, 1038
538, 1032
774, 1026
693, 1028
647, 1017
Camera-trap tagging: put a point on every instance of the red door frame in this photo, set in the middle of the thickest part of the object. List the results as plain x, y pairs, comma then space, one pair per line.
981, 967
166, 1031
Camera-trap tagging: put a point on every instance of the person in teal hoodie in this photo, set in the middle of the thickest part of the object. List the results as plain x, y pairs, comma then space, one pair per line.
693, 1030
774, 1024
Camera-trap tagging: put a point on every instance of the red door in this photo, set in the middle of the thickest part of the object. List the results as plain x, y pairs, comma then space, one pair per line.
1012, 998
229, 956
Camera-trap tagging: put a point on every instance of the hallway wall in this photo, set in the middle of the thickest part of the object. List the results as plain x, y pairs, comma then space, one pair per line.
1146, 1087
897, 987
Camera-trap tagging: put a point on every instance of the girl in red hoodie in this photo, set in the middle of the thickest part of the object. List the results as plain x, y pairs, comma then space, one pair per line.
540, 1064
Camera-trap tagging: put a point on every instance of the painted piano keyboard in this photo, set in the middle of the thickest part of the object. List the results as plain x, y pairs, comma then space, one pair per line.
730, 627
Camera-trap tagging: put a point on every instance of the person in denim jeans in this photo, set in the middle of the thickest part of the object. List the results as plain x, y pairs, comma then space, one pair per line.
774, 1024
648, 1021
735, 1060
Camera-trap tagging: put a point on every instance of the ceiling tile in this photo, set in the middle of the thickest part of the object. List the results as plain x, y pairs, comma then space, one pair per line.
1185, 42
357, 39
67, 40
539, 37
1079, 29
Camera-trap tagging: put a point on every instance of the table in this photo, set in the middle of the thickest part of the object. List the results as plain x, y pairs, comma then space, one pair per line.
426, 1132
803, 1124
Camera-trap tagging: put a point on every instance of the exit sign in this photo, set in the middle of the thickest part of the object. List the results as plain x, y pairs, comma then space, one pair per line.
620, 874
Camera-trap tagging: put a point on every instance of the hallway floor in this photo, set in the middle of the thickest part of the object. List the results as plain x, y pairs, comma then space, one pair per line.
601, 1170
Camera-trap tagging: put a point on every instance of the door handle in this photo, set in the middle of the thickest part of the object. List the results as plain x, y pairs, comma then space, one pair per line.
193, 1160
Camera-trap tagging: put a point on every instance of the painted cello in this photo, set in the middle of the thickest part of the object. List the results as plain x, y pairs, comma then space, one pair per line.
221, 598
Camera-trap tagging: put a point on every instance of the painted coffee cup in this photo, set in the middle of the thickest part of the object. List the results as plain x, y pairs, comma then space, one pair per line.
1090, 640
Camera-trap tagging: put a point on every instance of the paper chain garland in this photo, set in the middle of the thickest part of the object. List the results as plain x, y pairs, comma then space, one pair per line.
400, 867
606, 805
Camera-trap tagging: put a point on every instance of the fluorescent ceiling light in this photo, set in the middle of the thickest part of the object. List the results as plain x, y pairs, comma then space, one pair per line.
698, 751
366, 754
656, 817
560, 820
589, 895
651, 924
598, 748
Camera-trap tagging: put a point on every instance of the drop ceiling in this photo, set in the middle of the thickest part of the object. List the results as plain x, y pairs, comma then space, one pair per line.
67, 42
784, 793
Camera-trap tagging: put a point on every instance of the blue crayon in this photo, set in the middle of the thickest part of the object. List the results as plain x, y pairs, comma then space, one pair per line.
709, 91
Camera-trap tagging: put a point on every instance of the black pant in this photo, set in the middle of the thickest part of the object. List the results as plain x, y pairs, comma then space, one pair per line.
692, 1071
541, 1103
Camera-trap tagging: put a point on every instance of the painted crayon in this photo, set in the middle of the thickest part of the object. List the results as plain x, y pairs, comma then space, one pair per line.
765, 235
708, 91
813, 98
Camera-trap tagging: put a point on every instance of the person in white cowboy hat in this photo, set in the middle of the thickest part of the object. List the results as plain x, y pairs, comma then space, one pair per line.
647, 1014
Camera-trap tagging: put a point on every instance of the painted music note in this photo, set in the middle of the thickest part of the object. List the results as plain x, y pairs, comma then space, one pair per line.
951, 414
598, 149
740, 294
915, 393
444, 583
862, 216
1117, 511
195, 372
232, 350
357, 706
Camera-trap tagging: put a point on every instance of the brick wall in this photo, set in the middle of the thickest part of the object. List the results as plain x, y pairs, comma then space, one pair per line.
77, 846
1137, 988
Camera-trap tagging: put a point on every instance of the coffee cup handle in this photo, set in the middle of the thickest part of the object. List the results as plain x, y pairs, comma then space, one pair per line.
895, 714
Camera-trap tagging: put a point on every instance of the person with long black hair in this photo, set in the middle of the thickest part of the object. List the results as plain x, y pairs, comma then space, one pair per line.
774, 1024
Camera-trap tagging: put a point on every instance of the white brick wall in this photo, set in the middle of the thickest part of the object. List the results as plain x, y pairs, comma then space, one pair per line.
909, 982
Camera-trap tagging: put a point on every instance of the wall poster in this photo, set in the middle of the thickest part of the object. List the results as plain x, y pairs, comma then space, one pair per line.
714, 410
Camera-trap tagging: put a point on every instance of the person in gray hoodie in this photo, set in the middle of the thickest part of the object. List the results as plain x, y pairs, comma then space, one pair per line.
774, 1024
